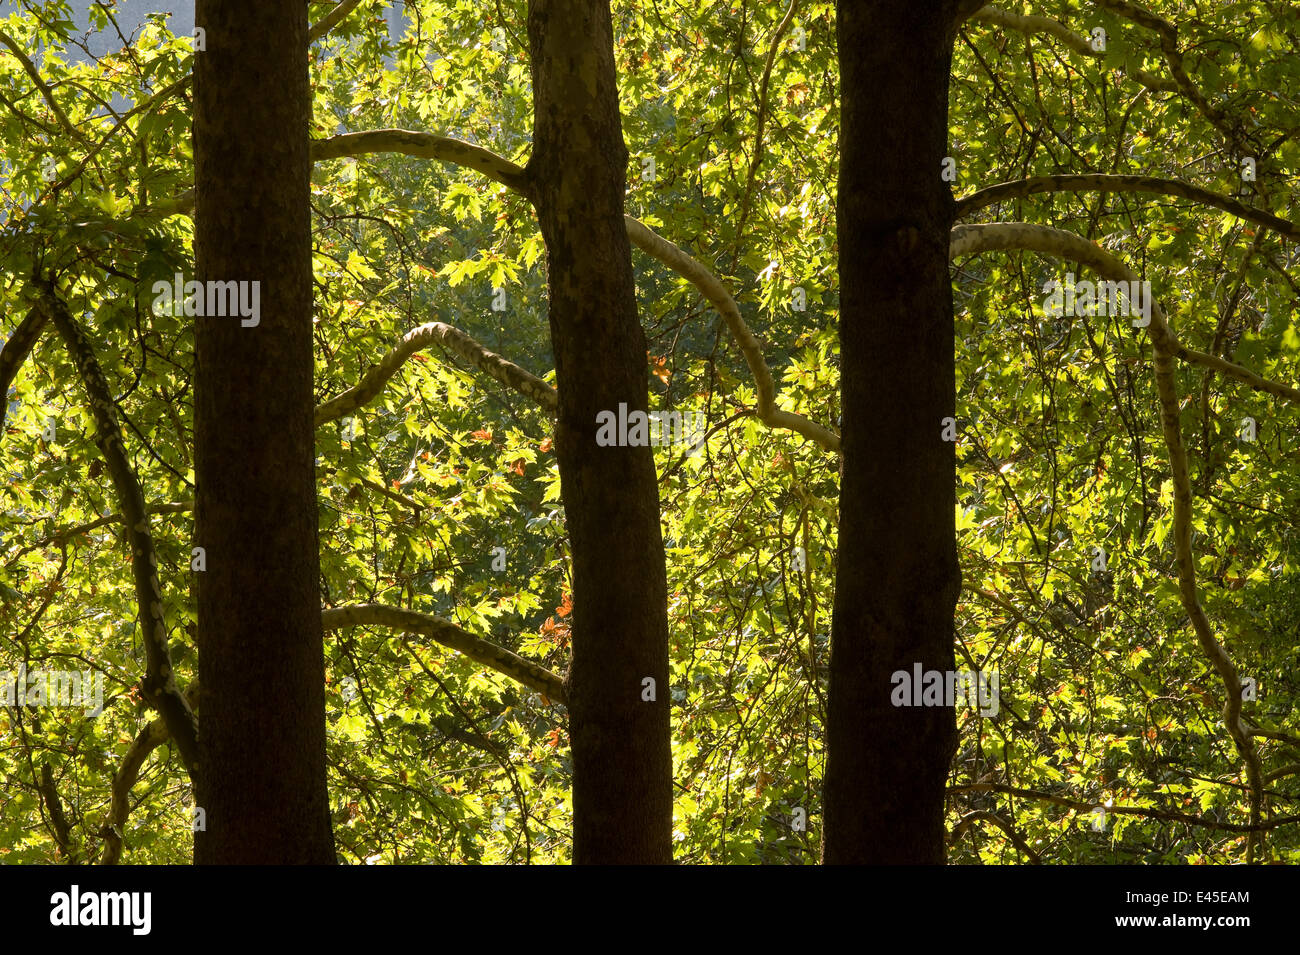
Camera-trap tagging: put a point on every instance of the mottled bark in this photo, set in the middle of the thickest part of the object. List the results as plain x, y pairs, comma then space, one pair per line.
158, 687
261, 656
622, 759
897, 576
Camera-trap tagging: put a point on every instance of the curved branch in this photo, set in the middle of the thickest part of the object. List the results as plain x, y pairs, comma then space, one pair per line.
1165, 346
447, 149
146, 741
417, 339
403, 499
968, 821
158, 687
712, 289
408, 142
181, 204
1278, 735
58, 818
1291, 769
1009, 236
156, 733
1034, 26
1232, 370
777, 36
332, 19
1031, 26
1101, 182
1168, 34
530, 674
64, 534
44, 88
1143, 811
14, 352
424, 146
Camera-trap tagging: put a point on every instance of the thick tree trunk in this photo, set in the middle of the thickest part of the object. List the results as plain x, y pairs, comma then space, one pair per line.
622, 758
897, 579
261, 659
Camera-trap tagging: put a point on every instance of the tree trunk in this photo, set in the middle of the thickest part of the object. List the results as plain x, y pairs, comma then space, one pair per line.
261, 659
897, 579
622, 758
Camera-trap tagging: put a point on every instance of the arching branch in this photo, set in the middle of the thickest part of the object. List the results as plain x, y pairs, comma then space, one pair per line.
62, 829
63, 534
14, 352
981, 815
684, 265
431, 146
525, 672
1144, 812
1019, 235
448, 149
530, 674
424, 146
158, 687
1008, 236
1168, 34
332, 19
1077, 44
417, 339
774, 46
146, 741
30, 68
1100, 182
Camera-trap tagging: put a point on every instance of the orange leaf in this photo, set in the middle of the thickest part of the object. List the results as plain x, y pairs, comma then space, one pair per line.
483, 435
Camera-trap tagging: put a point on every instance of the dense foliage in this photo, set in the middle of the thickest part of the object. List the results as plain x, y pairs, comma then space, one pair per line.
1105, 696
